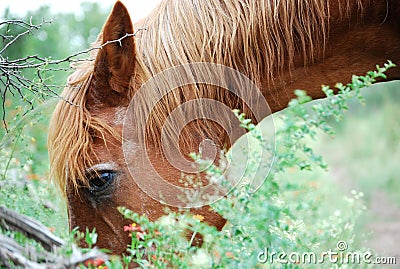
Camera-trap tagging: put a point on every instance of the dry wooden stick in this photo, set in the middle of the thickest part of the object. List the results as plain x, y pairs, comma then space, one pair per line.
12, 254
10, 219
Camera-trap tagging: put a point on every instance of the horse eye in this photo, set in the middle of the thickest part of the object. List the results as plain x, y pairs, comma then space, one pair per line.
100, 180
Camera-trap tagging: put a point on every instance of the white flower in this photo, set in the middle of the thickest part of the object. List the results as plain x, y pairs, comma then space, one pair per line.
201, 259
167, 221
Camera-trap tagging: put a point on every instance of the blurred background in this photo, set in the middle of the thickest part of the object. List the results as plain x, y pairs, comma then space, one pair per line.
137, 8
364, 155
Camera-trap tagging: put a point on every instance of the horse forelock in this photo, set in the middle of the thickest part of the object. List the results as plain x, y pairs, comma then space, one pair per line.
71, 131
258, 38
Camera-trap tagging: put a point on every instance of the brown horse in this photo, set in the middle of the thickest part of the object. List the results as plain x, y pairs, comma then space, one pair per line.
280, 45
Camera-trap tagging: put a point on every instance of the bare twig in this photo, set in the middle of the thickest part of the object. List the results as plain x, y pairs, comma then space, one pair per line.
28, 26
12, 78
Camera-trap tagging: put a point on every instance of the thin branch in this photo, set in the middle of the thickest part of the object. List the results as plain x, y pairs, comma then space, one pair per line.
11, 70
69, 59
28, 26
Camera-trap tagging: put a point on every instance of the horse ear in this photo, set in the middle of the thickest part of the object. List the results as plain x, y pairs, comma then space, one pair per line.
115, 61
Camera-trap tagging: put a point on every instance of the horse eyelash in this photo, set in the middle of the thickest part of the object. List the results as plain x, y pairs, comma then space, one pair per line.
96, 175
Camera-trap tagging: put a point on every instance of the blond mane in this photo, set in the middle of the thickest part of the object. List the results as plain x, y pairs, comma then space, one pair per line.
259, 38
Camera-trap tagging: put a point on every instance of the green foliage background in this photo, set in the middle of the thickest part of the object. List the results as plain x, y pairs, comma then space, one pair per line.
62, 35
23, 159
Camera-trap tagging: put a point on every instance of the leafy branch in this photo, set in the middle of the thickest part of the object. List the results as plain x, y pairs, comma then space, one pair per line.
28, 75
300, 124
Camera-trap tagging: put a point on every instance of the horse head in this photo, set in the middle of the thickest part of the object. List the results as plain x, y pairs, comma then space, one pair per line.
281, 46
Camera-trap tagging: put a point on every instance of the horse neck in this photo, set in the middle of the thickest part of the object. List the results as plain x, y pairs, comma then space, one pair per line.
360, 36
281, 48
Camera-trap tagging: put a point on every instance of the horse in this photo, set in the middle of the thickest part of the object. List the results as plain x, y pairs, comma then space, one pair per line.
279, 45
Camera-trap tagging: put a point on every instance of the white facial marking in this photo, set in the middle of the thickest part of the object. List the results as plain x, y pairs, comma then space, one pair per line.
119, 115
102, 166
